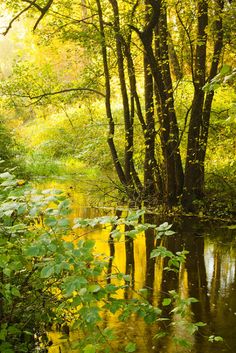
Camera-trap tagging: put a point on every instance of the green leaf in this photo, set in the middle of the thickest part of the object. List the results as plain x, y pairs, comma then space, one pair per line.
32, 251
21, 209
169, 232
3, 334
6, 175
63, 223
15, 291
225, 70
161, 251
51, 221
166, 301
214, 338
182, 342
160, 335
127, 278
130, 347
89, 349
200, 324
47, 271
94, 288
116, 234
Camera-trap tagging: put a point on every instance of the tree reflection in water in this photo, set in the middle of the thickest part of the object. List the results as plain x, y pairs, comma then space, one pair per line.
209, 274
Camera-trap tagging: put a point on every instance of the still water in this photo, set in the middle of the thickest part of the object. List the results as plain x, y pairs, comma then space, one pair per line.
209, 274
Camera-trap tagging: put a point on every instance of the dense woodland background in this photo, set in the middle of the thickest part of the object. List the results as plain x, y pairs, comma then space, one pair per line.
143, 91
137, 99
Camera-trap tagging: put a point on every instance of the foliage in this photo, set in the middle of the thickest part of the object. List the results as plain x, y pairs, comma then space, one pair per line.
108, 50
226, 75
48, 281
6, 146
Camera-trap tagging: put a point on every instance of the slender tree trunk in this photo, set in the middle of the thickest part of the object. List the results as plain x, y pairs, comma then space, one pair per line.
153, 186
134, 101
218, 30
192, 170
132, 179
126, 109
202, 103
165, 67
160, 70
110, 139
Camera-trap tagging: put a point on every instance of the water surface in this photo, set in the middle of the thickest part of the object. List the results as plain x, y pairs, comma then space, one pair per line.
209, 274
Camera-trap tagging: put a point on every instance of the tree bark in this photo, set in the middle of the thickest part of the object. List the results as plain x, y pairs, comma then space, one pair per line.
160, 70
192, 170
202, 103
218, 30
110, 140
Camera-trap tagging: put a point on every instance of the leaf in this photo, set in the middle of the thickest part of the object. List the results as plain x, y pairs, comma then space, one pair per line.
169, 232
233, 226
166, 301
127, 278
21, 209
200, 324
134, 216
225, 70
94, 288
63, 223
130, 347
32, 251
47, 271
89, 349
15, 291
160, 335
116, 234
161, 251
164, 227
214, 338
182, 342
6, 175
51, 221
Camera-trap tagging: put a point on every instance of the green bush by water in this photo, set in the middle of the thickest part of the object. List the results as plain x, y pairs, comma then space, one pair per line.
48, 281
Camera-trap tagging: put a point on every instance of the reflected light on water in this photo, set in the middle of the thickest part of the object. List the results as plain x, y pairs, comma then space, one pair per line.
208, 275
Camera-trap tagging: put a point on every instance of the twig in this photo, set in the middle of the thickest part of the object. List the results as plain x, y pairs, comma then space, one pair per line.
16, 17
46, 94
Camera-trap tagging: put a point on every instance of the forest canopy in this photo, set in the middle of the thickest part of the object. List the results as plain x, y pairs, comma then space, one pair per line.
139, 75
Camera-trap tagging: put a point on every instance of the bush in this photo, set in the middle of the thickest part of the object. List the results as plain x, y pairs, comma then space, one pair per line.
47, 280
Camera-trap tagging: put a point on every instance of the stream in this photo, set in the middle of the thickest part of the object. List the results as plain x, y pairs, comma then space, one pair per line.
209, 274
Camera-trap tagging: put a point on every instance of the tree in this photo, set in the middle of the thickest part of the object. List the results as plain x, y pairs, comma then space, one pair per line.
139, 44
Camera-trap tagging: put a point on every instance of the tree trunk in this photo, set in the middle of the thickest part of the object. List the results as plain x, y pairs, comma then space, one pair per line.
201, 108
152, 185
160, 70
178, 72
129, 168
110, 140
218, 30
192, 170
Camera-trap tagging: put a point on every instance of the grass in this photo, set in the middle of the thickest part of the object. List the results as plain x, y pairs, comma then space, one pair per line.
39, 165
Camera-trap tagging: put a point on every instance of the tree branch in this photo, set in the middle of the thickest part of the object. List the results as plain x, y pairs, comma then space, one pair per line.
33, 3
66, 90
44, 10
16, 17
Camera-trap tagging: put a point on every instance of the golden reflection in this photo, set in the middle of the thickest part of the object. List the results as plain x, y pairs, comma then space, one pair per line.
208, 274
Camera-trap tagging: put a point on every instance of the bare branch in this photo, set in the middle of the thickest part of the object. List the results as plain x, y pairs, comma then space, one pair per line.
43, 13
33, 3
16, 18
76, 20
46, 94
